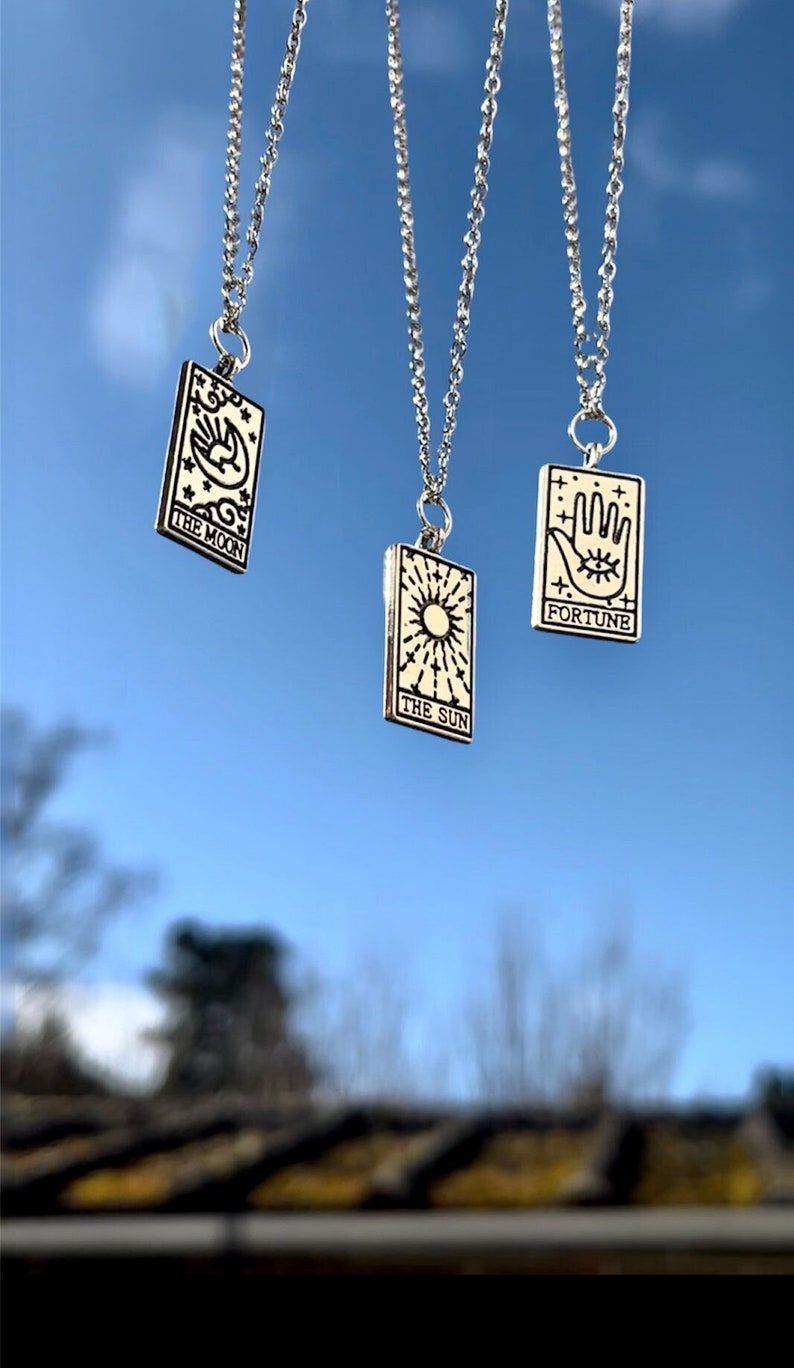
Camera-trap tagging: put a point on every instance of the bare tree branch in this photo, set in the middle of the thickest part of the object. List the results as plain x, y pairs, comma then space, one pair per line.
608, 1028
58, 890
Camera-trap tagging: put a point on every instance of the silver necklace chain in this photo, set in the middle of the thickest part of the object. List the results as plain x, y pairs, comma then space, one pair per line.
235, 285
433, 486
591, 366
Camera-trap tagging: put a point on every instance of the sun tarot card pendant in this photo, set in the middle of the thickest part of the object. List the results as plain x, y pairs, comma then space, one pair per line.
588, 555
209, 484
429, 680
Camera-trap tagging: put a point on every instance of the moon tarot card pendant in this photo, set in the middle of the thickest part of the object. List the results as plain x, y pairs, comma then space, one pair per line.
588, 555
429, 680
209, 484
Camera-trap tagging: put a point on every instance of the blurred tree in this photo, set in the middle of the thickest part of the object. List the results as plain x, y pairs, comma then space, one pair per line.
58, 891
43, 1059
360, 1026
229, 1028
605, 1030
774, 1087
504, 1021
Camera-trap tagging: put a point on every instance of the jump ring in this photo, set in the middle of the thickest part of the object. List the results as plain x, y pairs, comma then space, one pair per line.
432, 537
592, 451
230, 362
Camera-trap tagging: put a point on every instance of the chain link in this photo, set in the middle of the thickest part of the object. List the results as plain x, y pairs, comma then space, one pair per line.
434, 483
591, 366
236, 285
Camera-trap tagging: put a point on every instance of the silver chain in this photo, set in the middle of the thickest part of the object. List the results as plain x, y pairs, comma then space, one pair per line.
235, 285
591, 366
434, 483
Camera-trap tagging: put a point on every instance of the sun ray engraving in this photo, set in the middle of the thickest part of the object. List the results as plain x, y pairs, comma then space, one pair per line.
429, 674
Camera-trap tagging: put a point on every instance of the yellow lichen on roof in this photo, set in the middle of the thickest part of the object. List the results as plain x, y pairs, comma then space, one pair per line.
43, 1158
515, 1169
682, 1169
338, 1178
151, 1181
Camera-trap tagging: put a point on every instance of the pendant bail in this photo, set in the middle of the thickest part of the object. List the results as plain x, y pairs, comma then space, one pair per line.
229, 364
592, 451
432, 537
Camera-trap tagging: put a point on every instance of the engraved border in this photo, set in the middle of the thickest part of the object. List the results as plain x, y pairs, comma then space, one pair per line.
392, 569
175, 445
541, 555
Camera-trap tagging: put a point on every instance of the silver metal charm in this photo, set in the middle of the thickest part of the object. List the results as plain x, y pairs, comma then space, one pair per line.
429, 678
209, 484
588, 555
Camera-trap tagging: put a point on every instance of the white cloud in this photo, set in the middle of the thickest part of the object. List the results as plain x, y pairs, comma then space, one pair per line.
433, 37
145, 287
719, 179
106, 1022
680, 16
141, 299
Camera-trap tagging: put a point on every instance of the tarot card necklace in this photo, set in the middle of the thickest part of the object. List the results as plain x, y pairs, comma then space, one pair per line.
209, 485
588, 554
429, 675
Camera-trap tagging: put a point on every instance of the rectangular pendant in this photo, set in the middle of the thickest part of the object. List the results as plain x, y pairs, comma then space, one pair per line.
588, 554
429, 680
209, 484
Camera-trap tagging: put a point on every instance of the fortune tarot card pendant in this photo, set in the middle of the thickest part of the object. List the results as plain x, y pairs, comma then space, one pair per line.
588, 555
209, 484
429, 680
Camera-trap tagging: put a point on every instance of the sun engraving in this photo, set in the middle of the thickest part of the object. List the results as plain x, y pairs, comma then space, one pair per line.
435, 637
435, 620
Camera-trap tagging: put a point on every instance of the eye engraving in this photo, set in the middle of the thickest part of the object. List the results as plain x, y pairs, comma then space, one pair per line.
597, 565
588, 557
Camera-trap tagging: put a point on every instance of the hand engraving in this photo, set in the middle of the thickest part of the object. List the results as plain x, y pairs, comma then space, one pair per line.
220, 451
595, 554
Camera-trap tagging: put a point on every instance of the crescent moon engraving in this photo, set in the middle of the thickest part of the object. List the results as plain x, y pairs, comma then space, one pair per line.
220, 451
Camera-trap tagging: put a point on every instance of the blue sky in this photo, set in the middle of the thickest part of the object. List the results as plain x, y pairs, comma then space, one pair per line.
251, 762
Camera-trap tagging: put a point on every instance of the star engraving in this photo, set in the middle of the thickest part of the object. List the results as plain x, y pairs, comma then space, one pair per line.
245, 414
188, 492
208, 485
189, 463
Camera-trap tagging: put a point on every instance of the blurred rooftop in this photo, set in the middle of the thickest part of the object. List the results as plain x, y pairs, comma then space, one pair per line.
379, 1188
